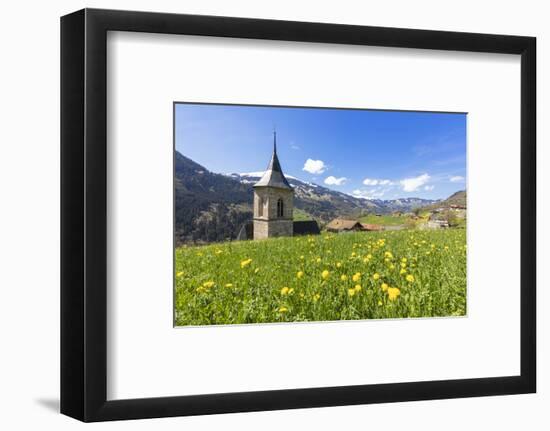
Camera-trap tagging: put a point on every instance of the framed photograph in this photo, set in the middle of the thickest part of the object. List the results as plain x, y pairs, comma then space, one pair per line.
262, 215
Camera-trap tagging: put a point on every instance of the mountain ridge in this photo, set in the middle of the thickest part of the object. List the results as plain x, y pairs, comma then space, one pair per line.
211, 206
301, 186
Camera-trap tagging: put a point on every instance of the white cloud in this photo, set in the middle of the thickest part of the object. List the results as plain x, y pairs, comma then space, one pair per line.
294, 147
457, 179
314, 166
370, 182
376, 182
368, 194
429, 188
412, 184
333, 181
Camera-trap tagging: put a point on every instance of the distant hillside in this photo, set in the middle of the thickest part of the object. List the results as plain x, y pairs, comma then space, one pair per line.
208, 207
212, 207
458, 198
319, 202
325, 204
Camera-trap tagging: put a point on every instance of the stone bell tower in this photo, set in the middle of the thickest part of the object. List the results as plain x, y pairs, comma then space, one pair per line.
273, 201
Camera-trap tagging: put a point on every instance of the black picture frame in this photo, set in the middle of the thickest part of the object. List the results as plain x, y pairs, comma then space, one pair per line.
84, 214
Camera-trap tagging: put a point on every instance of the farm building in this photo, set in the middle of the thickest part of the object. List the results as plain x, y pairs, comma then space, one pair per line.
246, 231
306, 227
372, 227
437, 221
437, 224
343, 225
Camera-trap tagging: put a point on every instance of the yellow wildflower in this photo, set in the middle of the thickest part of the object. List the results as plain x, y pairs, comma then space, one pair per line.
208, 284
229, 285
284, 291
318, 260
300, 274
356, 277
325, 274
388, 254
316, 297
393, 293
392, 266
403, 271
283, 309
403, 264
376, 276
358, 288
302, 257
404, 260
290, 291
256, 270
218, 251
379, 302
245, 263
343, 277
410, 278
338, 264
351, 292
384, 287
179, 274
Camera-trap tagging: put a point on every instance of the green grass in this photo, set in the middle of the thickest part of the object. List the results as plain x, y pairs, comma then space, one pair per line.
383, 219
244, 282
300, 215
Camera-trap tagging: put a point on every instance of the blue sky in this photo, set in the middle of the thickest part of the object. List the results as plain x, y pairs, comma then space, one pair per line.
365, 153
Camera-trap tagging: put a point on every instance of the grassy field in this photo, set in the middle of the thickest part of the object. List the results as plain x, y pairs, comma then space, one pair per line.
383, 219
363, 275
300, 215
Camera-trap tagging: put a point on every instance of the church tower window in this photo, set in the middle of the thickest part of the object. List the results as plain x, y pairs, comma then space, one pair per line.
280, 208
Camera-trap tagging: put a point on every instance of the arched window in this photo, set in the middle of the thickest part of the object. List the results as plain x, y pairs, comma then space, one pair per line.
280, 208
260, 207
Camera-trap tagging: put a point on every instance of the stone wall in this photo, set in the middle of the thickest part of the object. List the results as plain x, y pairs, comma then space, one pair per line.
266, 222
272, 228
270, 197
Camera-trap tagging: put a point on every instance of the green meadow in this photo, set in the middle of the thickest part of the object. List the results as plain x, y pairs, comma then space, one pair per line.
348, 276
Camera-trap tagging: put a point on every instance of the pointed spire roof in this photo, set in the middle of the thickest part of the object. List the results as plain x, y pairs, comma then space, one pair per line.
273, 176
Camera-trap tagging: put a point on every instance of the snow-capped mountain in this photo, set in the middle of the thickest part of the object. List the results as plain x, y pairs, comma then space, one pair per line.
212, 207
325, 203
